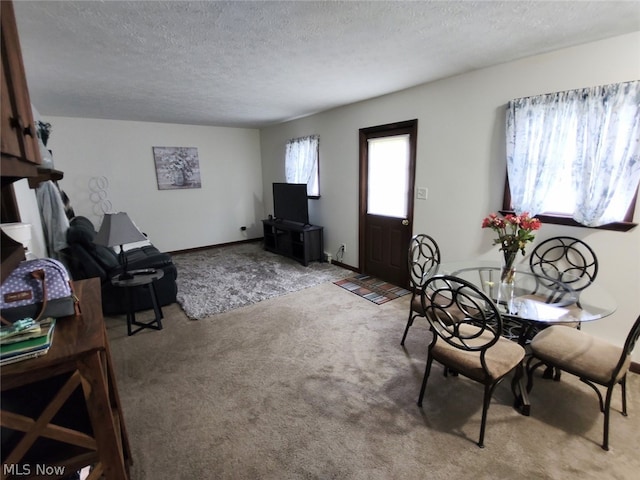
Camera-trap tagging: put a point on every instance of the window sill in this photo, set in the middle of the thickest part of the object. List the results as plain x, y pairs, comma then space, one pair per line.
570, 222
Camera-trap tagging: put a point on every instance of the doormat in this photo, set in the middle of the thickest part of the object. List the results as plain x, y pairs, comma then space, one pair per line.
371, 288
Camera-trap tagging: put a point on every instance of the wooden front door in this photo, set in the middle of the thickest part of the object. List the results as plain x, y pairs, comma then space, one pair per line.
387, 174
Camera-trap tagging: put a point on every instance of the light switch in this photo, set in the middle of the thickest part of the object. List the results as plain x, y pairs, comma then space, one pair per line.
421, 193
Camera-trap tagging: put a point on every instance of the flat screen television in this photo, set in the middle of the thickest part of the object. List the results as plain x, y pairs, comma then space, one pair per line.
290, 202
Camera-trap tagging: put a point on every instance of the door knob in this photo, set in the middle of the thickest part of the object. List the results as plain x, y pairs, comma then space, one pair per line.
405, 222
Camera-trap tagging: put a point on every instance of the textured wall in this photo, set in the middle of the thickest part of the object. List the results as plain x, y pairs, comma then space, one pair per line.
230, 170
461, 160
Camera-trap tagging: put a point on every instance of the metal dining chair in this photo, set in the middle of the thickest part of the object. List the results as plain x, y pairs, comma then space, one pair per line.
594, 361
467, 327
423, 258
567, 259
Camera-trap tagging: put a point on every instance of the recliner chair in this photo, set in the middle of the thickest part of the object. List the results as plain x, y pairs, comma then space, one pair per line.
85, 259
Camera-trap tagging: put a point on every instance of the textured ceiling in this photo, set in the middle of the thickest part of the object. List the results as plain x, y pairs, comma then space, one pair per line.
252, 64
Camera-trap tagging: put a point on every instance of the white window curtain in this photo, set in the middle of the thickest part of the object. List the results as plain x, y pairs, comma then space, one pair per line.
301, 163
591, 135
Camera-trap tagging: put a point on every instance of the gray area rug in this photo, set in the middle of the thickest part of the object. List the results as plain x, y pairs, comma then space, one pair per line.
220, 279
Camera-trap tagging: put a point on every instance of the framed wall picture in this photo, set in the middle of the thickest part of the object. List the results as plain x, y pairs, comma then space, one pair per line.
177, 167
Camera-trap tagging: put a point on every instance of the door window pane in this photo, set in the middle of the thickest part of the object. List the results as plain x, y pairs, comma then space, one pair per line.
388, 176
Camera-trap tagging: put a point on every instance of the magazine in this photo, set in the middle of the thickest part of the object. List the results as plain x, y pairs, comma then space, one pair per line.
28, 344
8, 333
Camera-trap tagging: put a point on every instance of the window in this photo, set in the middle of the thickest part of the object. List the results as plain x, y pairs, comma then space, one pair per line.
575, 155
389, 162
301, 163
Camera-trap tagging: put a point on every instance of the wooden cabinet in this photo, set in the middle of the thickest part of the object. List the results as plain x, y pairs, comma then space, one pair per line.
19, 141
303, 243
61, 411
19, 148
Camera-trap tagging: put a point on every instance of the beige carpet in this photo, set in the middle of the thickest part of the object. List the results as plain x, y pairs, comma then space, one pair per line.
315, 385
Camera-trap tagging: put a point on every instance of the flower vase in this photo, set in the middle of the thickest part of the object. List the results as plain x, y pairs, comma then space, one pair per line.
506, 290
179, 178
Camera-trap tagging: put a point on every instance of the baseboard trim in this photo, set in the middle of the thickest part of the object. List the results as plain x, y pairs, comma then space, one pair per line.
635, 367
344, 265
218, 245
249, 240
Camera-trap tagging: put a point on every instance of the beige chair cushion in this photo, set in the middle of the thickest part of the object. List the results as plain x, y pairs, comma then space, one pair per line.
501, 358
416, 305
579, 353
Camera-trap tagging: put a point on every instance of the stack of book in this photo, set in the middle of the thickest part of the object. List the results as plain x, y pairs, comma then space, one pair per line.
25, 339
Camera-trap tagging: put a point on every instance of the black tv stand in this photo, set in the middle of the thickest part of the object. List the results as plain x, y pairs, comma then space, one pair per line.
303, 243
280, 221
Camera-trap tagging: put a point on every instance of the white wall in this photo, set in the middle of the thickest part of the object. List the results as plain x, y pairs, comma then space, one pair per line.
29, 213
121, 151
461, 160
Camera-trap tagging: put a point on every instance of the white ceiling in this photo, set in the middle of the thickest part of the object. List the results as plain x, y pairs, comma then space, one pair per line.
251, 64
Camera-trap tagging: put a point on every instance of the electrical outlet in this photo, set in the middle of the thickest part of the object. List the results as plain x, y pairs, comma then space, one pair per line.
343, 247
421, 193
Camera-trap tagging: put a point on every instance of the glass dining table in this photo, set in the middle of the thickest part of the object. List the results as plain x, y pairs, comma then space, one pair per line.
533, 302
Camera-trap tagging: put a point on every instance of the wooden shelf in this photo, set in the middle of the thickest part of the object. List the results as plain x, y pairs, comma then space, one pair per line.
43, 175
14, 169
12, 254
